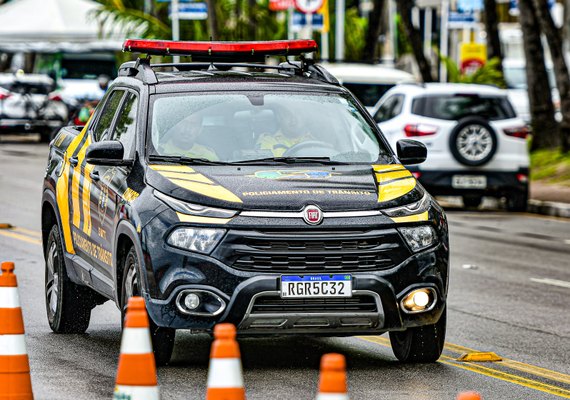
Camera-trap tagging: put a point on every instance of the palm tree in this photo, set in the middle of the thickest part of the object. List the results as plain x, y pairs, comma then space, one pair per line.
370, 52
555, 43
414, 35
544, 126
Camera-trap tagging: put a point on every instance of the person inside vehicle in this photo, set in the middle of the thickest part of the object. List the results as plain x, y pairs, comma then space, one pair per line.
180, 140
291, 131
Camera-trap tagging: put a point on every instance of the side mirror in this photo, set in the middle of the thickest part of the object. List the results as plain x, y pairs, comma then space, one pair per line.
106, 152
411, 151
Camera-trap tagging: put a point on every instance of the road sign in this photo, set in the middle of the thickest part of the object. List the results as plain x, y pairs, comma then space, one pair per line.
192, 11
300, 21
281, 5
308, 6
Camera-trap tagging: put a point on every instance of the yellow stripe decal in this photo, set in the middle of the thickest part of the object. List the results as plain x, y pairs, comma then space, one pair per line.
411, 218
202, 220
87, 203
393, 190
387, 168
214, 191
130, 195
195, 177
171, 168
62, 192
76, 179
388, 176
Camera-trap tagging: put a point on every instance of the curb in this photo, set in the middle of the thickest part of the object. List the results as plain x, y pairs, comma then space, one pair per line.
551, 208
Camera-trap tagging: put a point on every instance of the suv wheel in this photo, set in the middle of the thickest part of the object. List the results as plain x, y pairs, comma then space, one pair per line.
472, 200
162, 338
422, 344
473, 142
68, 305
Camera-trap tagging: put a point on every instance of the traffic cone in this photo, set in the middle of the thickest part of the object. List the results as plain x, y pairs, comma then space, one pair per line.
15, 381
136, 373
332, 383
225, 378
469, 396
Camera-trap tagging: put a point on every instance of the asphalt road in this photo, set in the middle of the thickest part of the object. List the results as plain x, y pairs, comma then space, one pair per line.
509, 292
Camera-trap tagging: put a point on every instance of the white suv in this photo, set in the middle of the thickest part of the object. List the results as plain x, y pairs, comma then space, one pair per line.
476, 143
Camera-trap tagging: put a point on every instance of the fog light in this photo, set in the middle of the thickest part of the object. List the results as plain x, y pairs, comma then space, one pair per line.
191, 301
419, 300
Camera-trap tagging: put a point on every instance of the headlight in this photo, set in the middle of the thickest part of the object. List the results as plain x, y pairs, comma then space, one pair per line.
409, 209
194, 209
201, 240
419, 237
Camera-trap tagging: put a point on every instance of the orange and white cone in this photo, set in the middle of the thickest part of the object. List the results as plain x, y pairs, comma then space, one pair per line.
15, 381
469, 396
225, 377
136, 373
332, 383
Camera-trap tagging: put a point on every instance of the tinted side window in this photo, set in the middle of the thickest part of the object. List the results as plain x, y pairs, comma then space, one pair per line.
125, 129
458, 106
390, 108
107, 113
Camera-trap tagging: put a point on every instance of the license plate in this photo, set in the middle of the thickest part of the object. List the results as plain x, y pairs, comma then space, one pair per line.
469, 181
306, 286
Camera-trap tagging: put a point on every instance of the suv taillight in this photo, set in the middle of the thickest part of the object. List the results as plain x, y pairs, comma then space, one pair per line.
4, 96
413, 130
519, 132
55, 97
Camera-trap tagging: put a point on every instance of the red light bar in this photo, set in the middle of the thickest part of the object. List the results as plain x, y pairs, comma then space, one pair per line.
221, 50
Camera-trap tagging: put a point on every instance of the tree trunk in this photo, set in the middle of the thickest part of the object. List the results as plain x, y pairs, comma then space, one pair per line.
544, 126
492, 28
370, 52
554, 38
212, 19
415, 37
251, 18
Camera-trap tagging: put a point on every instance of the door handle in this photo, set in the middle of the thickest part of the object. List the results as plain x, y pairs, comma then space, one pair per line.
73, 161
94, 175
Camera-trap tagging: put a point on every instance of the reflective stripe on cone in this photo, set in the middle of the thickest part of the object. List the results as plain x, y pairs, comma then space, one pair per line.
15, 381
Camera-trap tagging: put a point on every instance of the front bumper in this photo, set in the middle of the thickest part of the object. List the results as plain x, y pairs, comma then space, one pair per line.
499, 183
249, 298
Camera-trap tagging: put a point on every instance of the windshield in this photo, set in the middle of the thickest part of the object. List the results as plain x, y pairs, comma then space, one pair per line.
241, 127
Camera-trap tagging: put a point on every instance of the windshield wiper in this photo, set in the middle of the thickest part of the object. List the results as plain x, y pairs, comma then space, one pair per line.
291, 160
186, 160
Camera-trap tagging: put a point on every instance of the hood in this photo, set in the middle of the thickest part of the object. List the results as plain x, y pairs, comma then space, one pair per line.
340, 188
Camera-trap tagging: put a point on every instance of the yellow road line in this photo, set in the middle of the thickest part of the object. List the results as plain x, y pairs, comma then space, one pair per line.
20, 237
504, 376
26, 231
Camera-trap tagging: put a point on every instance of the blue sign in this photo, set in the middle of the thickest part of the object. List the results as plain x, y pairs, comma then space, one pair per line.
461, 17
469, 5
191, 11
300, 21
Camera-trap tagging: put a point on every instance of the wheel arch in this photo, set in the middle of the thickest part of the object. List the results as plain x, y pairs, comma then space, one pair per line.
125, 237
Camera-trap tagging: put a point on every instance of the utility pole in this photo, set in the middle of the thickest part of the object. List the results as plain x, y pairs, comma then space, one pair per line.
339, 30
175, 26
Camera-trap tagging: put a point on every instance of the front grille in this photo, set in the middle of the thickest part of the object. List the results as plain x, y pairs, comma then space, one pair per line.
301, 252
277, 305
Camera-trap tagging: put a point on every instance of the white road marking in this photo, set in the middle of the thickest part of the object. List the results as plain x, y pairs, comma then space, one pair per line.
553, 282
567, 241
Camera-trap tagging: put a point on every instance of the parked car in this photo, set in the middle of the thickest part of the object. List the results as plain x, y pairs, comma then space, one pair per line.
368, 82
267, 198
476, 143
29, 104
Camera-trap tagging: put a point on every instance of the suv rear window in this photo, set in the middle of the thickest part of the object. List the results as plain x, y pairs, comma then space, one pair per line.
458, 106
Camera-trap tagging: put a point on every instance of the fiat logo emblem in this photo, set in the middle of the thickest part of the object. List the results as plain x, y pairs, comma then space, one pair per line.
312, 215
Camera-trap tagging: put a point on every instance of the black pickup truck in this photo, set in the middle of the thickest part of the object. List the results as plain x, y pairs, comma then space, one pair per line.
229, 190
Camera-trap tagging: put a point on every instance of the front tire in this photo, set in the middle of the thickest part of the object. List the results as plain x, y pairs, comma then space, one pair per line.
68, 305
162, 338
422, 344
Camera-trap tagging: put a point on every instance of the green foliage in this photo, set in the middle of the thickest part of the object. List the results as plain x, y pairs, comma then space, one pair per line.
488, 74
355, 34
550, 165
